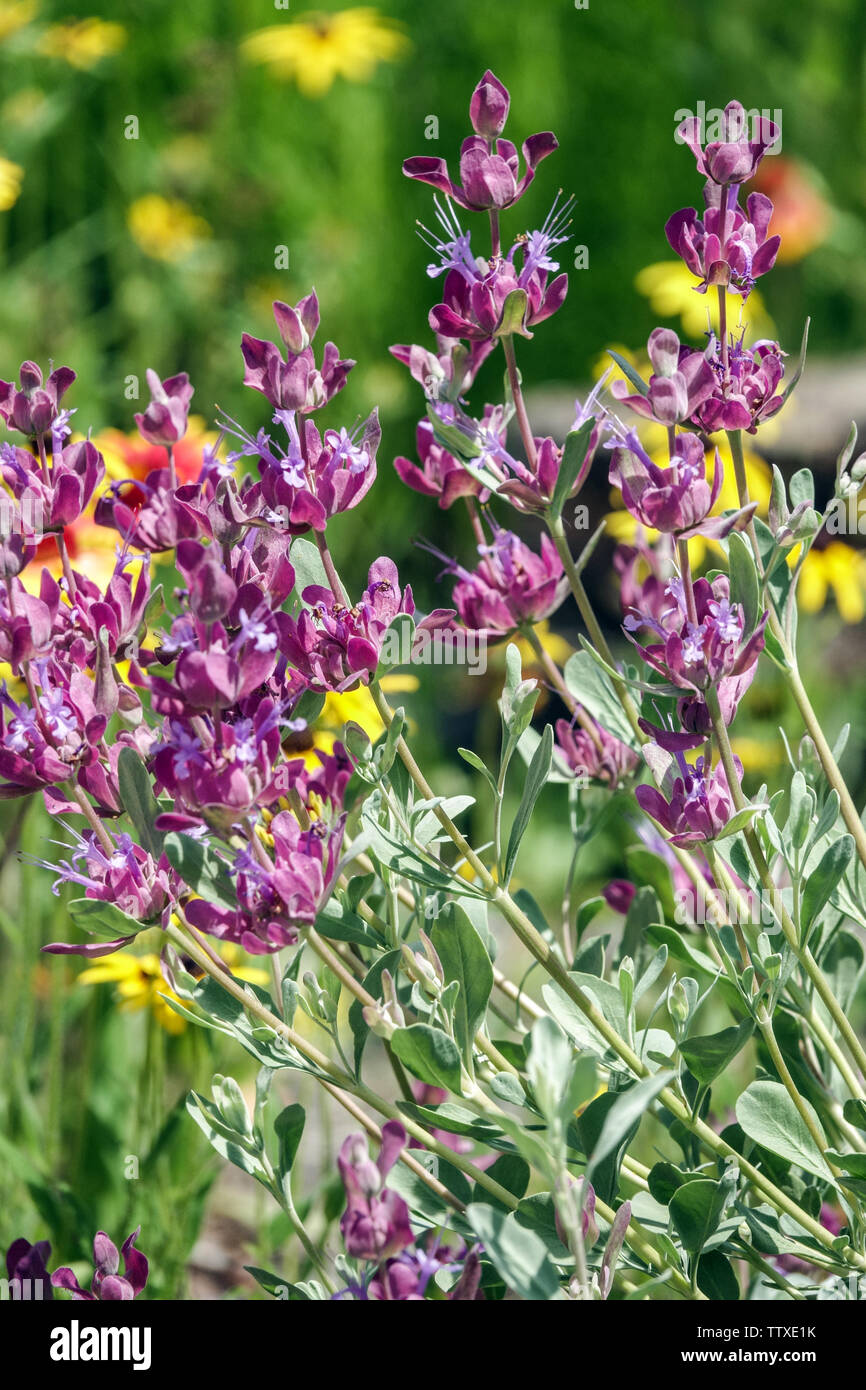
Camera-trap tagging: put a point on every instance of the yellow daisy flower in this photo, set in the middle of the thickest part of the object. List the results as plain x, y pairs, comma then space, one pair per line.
14, 15
315, 49
357, 706
11, 178
758, 754
838, 569
82, 42
165, 229
140, 984
670, 288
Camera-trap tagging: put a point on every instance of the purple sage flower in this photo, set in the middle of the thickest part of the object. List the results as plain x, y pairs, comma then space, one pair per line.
440, 474
165, 420
26, 1268
746, 392
128, 877
335, 647
58, 492
293, 381
682, 379
696, 655
375, 1224
607, 760
489, 167
33, 407
734, 157
107, 1284
677, 499
694, 803
274, 903
730, 248
512, 584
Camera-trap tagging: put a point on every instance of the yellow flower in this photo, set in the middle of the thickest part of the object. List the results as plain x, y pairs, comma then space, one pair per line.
357, 706
82, 42
316, 48
11, 176
14, 684
29, 109
140, 984
670, 288
837, 569
14, 14
165, 228
758, 754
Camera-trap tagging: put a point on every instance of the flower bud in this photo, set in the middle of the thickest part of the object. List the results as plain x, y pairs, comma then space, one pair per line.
488, 109
678, 1004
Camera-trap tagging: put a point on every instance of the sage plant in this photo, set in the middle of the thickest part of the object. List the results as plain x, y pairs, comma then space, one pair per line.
162, 725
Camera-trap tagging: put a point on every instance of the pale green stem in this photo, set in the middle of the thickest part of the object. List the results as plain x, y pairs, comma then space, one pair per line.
832, 772
802, 953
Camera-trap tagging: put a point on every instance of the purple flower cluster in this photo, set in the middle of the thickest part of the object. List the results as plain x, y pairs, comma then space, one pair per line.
226, 671
701, 644
26, 1265
377, 1232
487, 299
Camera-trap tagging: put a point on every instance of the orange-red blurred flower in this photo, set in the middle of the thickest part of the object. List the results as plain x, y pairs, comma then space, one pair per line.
801, 216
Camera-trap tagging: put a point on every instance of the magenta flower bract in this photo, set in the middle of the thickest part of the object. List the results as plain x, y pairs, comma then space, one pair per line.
619, 895
375, 1224
735, 257
165, 420
746, 394
475, 309
440, 474
695, 802
488, 108
697, 655
677, 499
609, 760
489, 167
220, 771
293, 381
273, 904
159, 521
733, 158
531, 488
335, 647
26, 1269
448, 373
107, 1284
56, 495
128, 877
512, 584
33, 407
45, 747
682, 379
